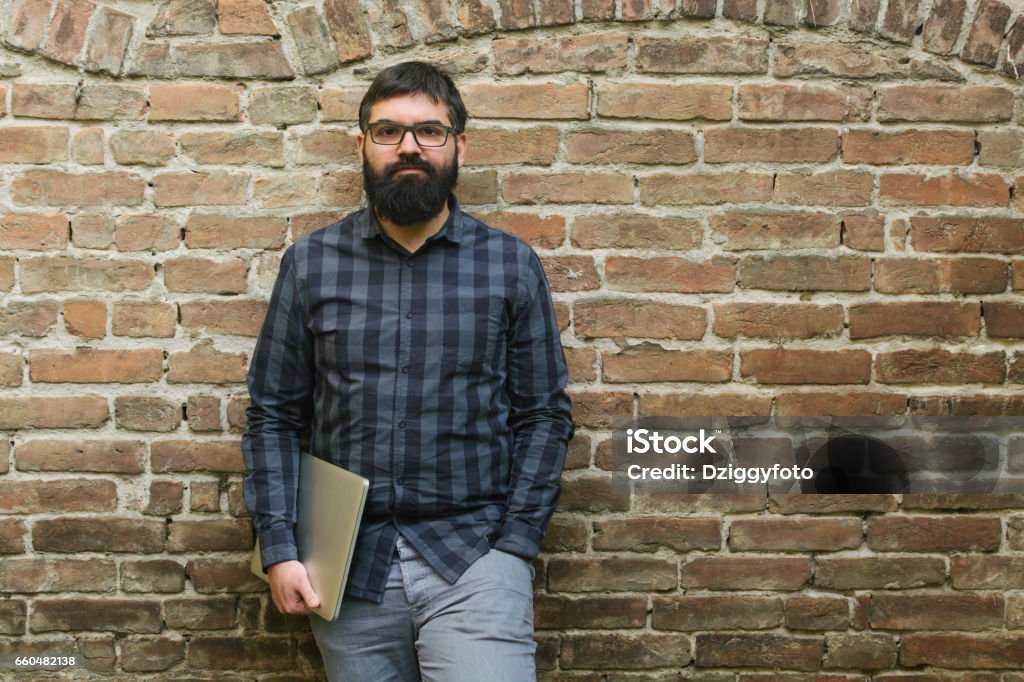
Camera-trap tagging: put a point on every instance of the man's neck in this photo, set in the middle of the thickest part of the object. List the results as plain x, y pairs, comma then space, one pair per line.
413, 236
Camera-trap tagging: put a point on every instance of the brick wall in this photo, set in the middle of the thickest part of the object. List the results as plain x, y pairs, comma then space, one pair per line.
744, 208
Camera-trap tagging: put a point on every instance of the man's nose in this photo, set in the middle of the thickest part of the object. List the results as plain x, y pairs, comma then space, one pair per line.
409, 145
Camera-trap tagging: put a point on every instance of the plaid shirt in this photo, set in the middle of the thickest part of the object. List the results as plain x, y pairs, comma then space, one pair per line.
439, 376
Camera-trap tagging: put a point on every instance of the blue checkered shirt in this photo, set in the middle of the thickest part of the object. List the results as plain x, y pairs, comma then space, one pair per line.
439, 376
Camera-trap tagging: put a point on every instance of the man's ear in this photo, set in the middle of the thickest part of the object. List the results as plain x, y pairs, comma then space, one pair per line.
460, 148
360, 141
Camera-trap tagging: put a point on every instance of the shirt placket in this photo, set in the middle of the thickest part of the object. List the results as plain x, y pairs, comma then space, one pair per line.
405, 320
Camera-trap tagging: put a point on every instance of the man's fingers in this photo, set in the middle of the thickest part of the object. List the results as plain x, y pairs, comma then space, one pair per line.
309, 596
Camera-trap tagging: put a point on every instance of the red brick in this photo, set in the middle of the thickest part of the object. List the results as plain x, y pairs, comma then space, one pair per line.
11, 370
970, 235
6, 274
586, 53
611, 574
340, 104
802, 103
286, 191
557, 612
98, 534
847, 404
116, 615
613, 318
246, 652
33, 144
489, 146
593, 493
665, 101
44, 100
144, 147
344, 188
200, 613
650, 534
146, 413
838, 60
326, 145
937, 366
636, 232
704, 403
940, 275
53, 412
986, 34
759, 650
210, 536
240, 317
12, 534
716, 274
86, 318
977, 572
545, 232
527, 100
695, 613
107, 456
144, 319
955, 650
58, 188
944, 103
35, 232
740, 231
777, 321
1004, 319
914, 318
58, 575
64, 495
249, 17
871, 651
595, 410
916, 189
194, 103
67, 30
581, 363
951, 147
165, 498
218, 188
568, 187
92, 231
312, 41
28, 319
794, 535
702, 55
110, 37
936, 611
223, 456
933, 534
900, 20
792, 366
942, 27
213, 231
746, 573
96, 366
805, 273
603, 146
878, 572
87, 147
771, 145
203, 413
28, 24
804, 612
204, 364
827, 188
146, 233
205, 275
651, 363
624, 651
110, 101
351, 36
676, 189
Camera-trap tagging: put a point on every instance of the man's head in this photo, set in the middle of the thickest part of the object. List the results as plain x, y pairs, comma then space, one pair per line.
409, 182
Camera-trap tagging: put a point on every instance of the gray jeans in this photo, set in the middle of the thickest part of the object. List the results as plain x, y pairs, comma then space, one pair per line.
480, 628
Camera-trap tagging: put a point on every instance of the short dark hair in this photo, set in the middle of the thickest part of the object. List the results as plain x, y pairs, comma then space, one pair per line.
415, 78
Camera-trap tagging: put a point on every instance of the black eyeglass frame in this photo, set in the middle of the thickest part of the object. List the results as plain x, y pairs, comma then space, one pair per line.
449, 131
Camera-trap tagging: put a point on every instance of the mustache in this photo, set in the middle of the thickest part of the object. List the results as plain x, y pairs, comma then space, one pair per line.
407, 164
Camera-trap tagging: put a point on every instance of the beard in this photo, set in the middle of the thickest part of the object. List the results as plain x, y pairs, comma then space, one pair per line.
409, 198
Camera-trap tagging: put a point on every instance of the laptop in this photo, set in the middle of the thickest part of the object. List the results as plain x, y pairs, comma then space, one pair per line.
329, 506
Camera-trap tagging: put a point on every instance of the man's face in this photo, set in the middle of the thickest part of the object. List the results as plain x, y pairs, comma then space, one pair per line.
408, 183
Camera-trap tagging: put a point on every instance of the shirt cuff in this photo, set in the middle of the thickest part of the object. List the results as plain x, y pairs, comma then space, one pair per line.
519, 538
277, 545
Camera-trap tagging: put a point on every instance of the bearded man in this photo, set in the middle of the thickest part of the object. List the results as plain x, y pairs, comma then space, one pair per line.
418, 347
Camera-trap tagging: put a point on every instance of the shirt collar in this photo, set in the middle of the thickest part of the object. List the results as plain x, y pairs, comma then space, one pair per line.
369, 226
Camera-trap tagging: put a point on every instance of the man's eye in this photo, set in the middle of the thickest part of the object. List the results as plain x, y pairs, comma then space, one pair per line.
431, 131
387, 131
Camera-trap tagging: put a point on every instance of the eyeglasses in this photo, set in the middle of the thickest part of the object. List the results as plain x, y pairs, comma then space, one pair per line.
426, 134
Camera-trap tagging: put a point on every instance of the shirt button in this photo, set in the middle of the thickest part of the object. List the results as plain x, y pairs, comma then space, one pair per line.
408, 316
401, 424
409, 262
405, 370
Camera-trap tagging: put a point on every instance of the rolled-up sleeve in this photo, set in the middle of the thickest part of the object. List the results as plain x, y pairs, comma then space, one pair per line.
281, 381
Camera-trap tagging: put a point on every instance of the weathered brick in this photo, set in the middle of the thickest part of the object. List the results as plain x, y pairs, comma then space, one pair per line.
1004, 319
241, 317
347, 25
198, 455
942, 26
249, 17
624, 651
240, 653
741, 231
34, 232
651, 363
68, 27
986, 34
933, 534
959, 651
979, 572
805, 612
89, 365
340, 104
794, 535
110, 101
87, 147
151, 654
527, 100
184, 17
611, 574
636, 232
217, 188
205, 275
777, 321
98, 534
143, 147
12, 536
613, 318
33, 144
878, 572
11, 370
58, 575
908, 147
165, 498
586, 53
798, 366
702, 55
285, 191
592, 493
204, 364
746, 573
210, 536
870, 651
805, 273
64, 495
28, 24
59, 188
28, 319
200, 613
944, 103
106, 456
146, 413
213, 231
194, 103
146, 233
649, 534
805, 145
144, 319
344, 188
939, 366
312, 41
44, 100
940, 275
826, 188
665, 101
53, 412
694, 613
326, 145
802, 103
116, 615
915, 189
568, 187
675, 189
716, 274
936, 611
110, 38
970, 235
788, 652
86, 318
914, 318
591, 612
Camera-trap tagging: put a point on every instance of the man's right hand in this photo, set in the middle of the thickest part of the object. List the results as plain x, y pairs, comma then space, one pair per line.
289, 586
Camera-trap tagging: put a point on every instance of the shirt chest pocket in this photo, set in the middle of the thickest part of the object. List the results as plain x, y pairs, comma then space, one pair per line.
472, 332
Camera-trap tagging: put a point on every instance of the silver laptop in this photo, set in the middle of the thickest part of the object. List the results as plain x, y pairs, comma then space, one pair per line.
330, 505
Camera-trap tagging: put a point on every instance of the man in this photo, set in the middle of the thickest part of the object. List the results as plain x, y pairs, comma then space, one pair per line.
420, 349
